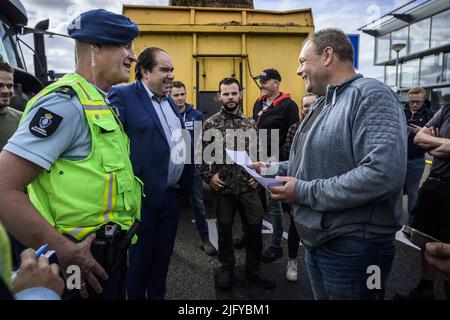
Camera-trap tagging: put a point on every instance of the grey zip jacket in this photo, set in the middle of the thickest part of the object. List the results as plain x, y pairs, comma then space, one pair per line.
353, 166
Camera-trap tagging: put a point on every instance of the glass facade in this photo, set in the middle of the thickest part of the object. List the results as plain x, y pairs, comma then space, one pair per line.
409, 73
419, 36
440, 31
419, 69
440, 97
383, 44
416, 37
389, 74
446, 75
431, 70
400, 36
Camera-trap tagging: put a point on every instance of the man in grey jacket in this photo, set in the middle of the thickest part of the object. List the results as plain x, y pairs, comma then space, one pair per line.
345, 173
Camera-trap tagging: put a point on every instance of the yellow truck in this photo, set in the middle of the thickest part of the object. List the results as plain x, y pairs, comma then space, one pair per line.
208, 44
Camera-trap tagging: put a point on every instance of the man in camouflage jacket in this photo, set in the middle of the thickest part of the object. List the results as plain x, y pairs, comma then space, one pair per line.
231, 187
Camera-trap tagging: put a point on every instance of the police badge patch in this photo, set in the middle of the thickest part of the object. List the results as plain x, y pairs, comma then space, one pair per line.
44, 123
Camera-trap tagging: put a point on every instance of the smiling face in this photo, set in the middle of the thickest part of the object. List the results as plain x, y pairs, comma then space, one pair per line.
6, 88
159, 79
116, 62
312, 70
269, 88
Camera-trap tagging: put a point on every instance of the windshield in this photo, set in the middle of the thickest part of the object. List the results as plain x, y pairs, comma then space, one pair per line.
6, 48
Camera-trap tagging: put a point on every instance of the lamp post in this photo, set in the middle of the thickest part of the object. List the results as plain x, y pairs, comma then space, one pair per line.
397, 47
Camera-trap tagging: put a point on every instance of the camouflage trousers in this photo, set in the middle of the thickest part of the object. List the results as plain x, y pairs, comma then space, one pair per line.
249, 204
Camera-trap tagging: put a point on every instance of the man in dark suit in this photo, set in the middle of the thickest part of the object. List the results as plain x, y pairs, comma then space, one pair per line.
154, 126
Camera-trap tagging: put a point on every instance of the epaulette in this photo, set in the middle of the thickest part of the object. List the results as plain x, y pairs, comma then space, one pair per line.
66, 90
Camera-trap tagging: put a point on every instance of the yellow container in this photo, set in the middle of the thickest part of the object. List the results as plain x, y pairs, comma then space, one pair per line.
208, 44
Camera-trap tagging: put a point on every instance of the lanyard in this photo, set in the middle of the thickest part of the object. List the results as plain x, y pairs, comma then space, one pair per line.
265, 108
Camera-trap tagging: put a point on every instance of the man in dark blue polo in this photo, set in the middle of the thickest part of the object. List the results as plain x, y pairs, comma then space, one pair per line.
192, 118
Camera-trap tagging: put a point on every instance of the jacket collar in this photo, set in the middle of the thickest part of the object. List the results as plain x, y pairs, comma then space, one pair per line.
282, 96
187, 108
334, 91
149, 107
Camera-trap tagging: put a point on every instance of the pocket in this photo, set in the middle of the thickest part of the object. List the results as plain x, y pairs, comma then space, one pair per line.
125, 182
130, 188
108, 140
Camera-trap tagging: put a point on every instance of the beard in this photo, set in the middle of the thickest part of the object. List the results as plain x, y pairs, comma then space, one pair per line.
5, 100
231, 109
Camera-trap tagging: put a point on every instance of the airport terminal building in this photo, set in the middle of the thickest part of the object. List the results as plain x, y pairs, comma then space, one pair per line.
412, 42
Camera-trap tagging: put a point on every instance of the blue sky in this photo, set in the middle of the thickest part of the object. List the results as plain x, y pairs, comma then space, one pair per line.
344, 14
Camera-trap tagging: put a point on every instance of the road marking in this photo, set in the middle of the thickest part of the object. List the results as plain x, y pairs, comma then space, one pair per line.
213, 237
212, 229
268, 229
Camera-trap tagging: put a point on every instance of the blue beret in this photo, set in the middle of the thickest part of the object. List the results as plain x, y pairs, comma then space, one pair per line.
102, 27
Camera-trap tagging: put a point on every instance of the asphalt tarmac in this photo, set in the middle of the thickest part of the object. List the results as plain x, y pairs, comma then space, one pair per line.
191, 272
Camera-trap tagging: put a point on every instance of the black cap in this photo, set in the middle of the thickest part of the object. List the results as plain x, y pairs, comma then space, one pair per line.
268, 74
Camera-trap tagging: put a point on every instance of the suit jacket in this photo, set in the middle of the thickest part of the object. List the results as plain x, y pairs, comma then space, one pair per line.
149, 149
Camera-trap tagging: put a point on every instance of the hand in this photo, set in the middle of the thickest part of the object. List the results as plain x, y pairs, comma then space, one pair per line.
80, 254
216, 184
252, 183
414, 128
260, 167
438, 255
432, 131
285, 192
443, 151
39, 273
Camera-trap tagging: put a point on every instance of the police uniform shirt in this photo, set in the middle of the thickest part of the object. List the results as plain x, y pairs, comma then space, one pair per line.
55, 127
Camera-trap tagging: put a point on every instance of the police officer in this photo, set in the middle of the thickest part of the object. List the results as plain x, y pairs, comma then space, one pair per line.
73, 155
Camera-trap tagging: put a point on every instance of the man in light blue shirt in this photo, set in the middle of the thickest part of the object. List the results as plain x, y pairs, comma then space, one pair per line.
158, 152
173, 132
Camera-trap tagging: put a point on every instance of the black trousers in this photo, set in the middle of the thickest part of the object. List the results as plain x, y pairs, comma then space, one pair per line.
150, 256
293, 239
249, 204
432, 211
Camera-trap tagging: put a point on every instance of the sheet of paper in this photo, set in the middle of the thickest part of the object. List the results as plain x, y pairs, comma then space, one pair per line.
239, 157
242, 159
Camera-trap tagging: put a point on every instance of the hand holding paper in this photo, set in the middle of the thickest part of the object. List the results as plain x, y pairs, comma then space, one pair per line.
242, 159
285, 192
